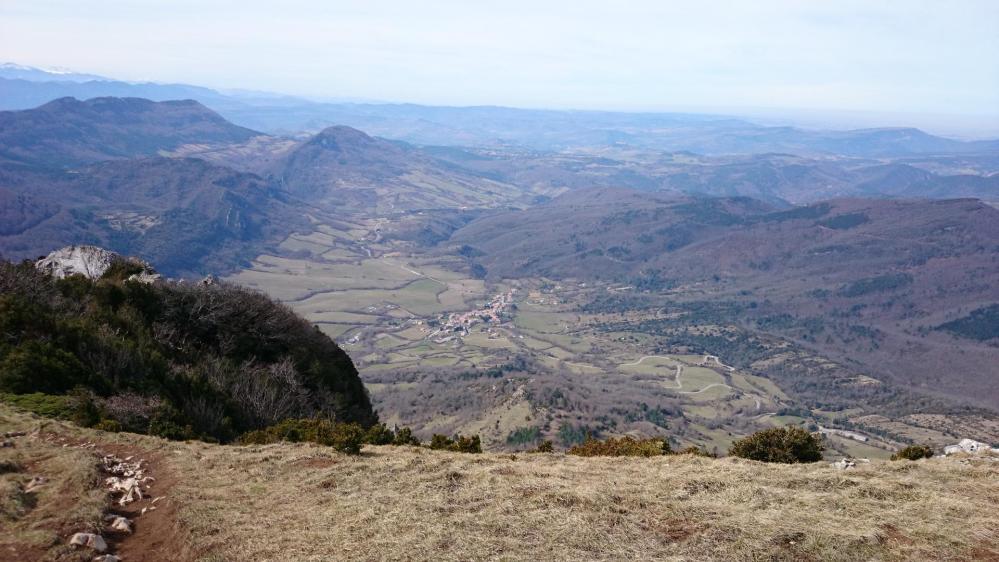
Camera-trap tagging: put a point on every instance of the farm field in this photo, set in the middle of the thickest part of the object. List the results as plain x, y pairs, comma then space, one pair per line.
442, 351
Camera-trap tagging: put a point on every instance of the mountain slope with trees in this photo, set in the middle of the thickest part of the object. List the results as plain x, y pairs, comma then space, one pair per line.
179, 360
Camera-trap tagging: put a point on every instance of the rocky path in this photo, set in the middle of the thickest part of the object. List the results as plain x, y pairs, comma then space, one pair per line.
140, 524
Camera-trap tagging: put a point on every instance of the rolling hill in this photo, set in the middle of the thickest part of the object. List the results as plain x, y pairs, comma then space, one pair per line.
190, 216
67, 132
862, 281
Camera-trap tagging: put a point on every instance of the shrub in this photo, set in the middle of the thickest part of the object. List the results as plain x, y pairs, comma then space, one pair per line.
523, 436
545, 446
344, 437
779, 444
404, 436
85, 412
622, 447
111, 426
913, 453
458, 443
36, 366
379, 434
168, 424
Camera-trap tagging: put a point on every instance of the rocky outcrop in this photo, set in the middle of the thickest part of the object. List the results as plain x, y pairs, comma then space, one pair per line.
971, 447
92, 262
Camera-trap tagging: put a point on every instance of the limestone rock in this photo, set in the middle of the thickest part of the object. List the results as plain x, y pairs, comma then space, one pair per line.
971, 447
121, 524
91, 262
89, 540
844, 464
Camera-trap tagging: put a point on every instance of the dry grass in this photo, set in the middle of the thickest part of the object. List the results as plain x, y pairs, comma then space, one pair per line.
305, 502
296, 502
36, 523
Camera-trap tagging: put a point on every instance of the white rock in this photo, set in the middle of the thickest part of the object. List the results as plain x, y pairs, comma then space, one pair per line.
107, 558
35, 483
121, 525
89, 540
844, 464
969, 446
90, 261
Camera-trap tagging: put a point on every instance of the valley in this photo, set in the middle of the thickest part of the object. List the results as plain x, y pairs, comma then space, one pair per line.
518, 360
500, 281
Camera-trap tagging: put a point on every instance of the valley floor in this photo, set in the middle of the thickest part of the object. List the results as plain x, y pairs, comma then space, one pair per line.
303, 502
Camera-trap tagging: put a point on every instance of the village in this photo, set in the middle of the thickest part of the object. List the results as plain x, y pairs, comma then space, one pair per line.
458, 324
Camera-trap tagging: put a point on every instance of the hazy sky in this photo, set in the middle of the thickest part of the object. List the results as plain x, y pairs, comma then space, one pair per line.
910, 56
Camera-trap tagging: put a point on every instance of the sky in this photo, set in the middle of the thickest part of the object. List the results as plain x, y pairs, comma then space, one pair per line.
936, 59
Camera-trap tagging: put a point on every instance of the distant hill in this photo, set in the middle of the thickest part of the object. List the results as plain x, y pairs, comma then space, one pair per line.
344, 167
776, 178
187, 215
68, 132
862, 280
550, 130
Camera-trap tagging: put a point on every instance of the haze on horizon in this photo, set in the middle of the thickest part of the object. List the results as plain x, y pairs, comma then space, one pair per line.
926, 63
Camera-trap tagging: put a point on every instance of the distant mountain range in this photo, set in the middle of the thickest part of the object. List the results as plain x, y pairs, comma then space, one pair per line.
93, 172
59, 183
499, 126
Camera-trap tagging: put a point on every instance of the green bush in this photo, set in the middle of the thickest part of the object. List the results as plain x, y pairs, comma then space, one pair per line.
38, 366
458, 443
404, 436
523, 436
85, 412
167, 423
344, 437
379, 434
913, 453
621, 447
779, 444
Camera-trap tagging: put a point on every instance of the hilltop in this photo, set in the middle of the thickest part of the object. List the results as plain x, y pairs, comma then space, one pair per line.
304, 502
68, 132
118, 346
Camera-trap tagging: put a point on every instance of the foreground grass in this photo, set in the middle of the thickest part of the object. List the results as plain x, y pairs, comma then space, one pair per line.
36, 521
304, 502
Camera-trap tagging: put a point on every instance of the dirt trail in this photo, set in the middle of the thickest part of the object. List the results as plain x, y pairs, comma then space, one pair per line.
156, 535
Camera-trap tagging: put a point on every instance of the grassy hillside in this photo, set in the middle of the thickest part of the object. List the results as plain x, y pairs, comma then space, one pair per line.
306, 502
